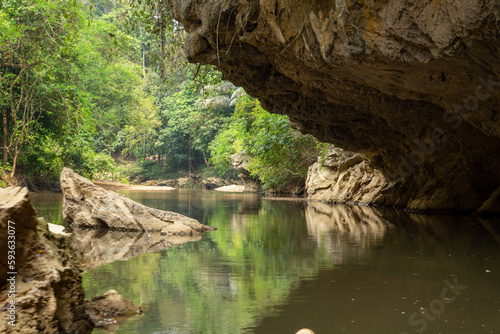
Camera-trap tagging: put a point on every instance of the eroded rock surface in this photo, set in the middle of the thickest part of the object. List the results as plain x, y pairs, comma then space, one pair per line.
412, 85
88, 205
347, 177
49, 294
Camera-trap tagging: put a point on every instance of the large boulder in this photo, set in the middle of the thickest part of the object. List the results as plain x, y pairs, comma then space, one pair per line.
88, 205
47, 285
214, 182
413, 85
189, 182
347, 177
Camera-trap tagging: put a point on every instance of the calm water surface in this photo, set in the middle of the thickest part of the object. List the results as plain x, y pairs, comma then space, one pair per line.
278, 266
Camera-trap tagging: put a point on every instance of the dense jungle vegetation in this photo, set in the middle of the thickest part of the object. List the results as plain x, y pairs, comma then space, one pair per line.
104, 88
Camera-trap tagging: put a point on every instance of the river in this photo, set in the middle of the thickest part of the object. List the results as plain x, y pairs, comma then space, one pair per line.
279, 266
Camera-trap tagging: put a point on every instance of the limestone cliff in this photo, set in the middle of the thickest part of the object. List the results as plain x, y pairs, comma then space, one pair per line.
412, 85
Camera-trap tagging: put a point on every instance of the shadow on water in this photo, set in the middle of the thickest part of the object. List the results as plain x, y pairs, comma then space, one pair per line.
275, 267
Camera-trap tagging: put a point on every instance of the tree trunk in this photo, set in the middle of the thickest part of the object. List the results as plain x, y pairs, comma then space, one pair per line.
5, 139
144, 144
143, 61
143, 53
189, 156
205, 158
14, 159
162, 56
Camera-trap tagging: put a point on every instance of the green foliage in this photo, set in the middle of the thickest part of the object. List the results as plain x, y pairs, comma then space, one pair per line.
130, 170
77, 86
190, 121
68, 86
279, 154
4, 175
44, 111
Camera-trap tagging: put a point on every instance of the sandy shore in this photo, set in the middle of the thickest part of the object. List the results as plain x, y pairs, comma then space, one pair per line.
232, 188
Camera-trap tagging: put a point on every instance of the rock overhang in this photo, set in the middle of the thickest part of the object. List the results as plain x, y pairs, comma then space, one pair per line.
412, 85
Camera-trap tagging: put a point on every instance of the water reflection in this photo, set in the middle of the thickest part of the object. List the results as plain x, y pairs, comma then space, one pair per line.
275, 267
197, 204
390, 266
95, 248
229, 281
49, 206
347, 232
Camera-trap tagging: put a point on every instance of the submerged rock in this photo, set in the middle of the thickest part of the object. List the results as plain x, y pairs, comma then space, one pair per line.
412, 85
109, 310
48, 289
88, 205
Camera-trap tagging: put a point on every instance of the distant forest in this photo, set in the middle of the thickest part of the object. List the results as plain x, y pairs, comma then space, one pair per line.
104, 88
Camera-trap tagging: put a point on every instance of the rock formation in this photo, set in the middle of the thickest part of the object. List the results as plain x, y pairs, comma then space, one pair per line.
49, 293
212, 183
346, 177
88, 205
240, 163
411, 85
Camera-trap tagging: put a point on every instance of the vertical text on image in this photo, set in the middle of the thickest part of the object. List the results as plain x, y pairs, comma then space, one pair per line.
11, 265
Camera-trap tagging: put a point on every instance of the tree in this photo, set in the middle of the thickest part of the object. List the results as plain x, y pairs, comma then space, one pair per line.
33, 46
190, 120
279, 154
142, 130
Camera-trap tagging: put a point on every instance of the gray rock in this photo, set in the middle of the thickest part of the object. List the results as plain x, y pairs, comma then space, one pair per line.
110, 309
189, 182
88, 205
214, 182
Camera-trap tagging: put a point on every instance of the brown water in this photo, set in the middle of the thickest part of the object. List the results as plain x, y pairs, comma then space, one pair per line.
278, 266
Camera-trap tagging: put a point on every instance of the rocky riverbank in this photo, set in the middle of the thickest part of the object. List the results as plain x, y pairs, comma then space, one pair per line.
47, 294
41, 285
